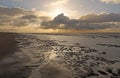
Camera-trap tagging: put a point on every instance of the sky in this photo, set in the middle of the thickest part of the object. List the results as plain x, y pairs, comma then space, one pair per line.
60, 15
73, 7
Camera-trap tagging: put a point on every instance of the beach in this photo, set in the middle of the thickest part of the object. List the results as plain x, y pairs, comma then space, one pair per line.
59, 56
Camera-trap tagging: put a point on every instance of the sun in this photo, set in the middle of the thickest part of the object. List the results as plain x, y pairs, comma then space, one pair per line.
58, 11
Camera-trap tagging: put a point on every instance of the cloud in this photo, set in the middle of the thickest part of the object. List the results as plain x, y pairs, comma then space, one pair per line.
11, 11
20, 22
111, 1
103, 17
56, 22
88, 22
11, 18
20, 17
61, 19
29, 17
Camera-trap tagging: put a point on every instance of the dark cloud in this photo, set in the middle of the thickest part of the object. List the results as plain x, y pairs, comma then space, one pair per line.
29, 17
91, 21
61, 19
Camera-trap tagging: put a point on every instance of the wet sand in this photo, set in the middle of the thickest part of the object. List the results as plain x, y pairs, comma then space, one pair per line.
40, 57
8, 47
7, 44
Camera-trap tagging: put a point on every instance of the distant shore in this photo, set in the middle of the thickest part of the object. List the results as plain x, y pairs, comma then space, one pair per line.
8, 44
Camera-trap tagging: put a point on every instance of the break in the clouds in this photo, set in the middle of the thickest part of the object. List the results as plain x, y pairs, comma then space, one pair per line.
111, 1
87, 22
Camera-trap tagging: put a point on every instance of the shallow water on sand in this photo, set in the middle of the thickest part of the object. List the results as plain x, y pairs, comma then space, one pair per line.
91, 40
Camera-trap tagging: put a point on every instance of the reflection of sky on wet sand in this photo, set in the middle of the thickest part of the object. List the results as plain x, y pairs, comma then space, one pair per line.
52, 55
